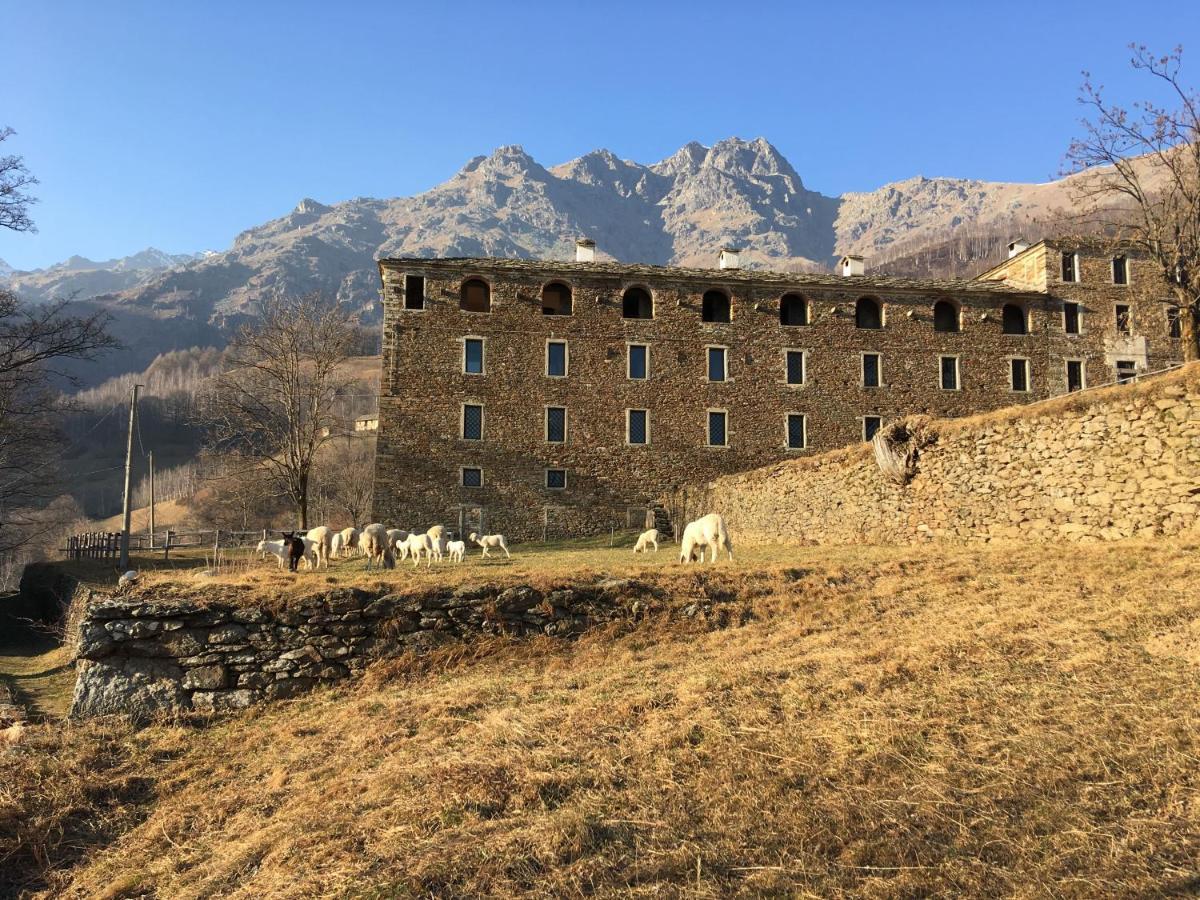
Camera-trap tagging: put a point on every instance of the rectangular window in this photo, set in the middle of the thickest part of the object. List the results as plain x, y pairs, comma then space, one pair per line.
472, 477
414, 291
1126, 371
637, 426
472, 422
1020, 375
1120, 270
556, 359
870, 370
1071, 318
795, 366
797, 431
716, 428
1174, 322
556, 424
949, 373
1070, 269
870, 426
473, 356
639, 362
556, 479
1124, 319
717, 364
1074, 375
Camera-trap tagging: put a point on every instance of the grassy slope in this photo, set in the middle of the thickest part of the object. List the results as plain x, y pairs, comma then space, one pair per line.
891, 721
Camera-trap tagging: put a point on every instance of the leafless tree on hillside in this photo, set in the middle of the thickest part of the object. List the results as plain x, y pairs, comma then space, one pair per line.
14, 200
1143, 178
273, 403
33, 340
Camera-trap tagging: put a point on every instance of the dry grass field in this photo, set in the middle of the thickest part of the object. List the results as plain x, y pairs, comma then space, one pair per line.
881, 722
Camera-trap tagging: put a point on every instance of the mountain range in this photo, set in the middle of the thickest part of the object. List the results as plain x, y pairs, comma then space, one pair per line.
679, 211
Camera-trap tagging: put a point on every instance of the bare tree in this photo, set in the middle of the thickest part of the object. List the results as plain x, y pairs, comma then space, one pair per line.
273, 404
1143, 178
14, 179
33, 340
349, 470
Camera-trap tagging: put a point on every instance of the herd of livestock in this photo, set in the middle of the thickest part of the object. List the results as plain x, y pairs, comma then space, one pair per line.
383, 546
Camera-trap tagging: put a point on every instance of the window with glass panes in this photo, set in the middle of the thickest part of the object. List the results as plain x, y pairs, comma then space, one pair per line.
795, 366
472, 422
637, 427
796, 431
556, 424
716, 364
473, 356
556, 359
949, 373
639, 362
717, 422
870, 370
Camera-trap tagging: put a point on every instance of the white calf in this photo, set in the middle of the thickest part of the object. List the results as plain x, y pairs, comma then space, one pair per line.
707, 532
457, 550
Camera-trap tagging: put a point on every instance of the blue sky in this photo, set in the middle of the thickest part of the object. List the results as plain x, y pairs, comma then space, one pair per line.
178, 125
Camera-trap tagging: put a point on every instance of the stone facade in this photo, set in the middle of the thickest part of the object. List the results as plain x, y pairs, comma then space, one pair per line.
143, 656
422, 452
1123, 462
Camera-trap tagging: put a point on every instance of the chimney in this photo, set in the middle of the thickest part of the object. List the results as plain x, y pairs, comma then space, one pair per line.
729, 258
585, 250
852, 265
1020, 245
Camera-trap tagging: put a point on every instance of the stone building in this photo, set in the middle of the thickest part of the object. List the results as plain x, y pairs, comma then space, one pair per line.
560, 398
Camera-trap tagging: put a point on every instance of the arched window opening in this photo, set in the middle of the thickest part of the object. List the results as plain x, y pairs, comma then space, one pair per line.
714, 307
867, 313
945, 316
793, 310
637, 304
556, 300
1014, 319
476, 296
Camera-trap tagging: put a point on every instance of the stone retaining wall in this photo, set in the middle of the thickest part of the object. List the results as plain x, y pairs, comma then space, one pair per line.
1119, 463
142, 656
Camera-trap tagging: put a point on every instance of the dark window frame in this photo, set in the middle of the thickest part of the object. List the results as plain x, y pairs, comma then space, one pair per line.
788, 353
550, 439
1072, 315
709, 350
797, 301
645, 416
787, 430
1020, 364
464, 300
462, 476
1006, 321
569, 303
556, 487
645, 348
566, 358
955, 320
467, 342
462, 429
878, 373
864, 319
716, 415
723, 314
409, 281
626, 297
955, 370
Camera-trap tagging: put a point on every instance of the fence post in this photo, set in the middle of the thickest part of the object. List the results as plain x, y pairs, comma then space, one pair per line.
216, 547
167, 546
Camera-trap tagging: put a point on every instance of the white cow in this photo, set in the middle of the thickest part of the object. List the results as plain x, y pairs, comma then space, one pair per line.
707, 532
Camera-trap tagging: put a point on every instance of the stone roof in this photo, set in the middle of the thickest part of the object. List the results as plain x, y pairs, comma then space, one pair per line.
637, 271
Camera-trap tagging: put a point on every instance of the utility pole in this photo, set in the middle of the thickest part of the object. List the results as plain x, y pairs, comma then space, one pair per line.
128, 480
151, 455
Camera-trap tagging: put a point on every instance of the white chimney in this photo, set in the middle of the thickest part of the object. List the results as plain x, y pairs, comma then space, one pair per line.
1020, 245
852, 265
585, 250
729, 258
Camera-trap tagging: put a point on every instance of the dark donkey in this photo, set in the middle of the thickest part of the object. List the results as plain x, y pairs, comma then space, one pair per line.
295, 545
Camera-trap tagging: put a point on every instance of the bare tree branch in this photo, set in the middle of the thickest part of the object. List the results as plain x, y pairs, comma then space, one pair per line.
14, 200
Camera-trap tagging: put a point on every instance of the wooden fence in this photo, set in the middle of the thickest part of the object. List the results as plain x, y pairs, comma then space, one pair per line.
107, 544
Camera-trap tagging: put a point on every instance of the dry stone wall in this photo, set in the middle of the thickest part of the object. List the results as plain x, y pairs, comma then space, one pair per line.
143, 656
1122, 462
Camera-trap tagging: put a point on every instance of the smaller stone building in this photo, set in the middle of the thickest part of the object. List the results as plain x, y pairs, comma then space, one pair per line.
560, 398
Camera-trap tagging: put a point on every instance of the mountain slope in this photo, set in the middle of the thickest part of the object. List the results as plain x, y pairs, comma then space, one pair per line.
680, 210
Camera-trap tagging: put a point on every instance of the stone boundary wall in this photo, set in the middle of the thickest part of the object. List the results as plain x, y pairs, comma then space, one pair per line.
142, 656
1120, 462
